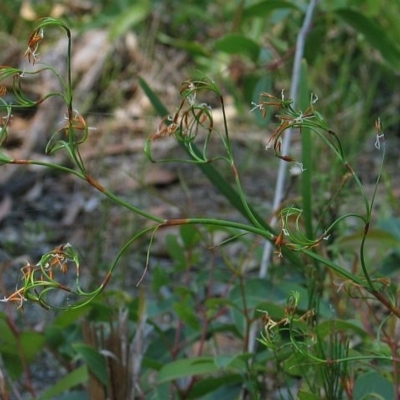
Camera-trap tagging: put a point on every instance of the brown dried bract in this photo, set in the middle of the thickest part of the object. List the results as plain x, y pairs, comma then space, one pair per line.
33, 45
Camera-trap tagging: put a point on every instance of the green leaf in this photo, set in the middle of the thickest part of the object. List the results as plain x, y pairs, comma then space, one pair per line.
158, 105
274, 310
391, 264
7, 338
159, 278
391, 225
235, 43
297, 365
264, 84
70, 316
94, 360
301, 395
263, 8
326, 327
31, 343
211, 384
187, 314
190, 235
373, 34
176, 251
12, 363
187, 367
371, 386
129, 18
222, 361
375, 237
192, 47
74, 378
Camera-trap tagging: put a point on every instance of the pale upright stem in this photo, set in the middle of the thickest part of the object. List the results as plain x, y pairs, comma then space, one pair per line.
280, 181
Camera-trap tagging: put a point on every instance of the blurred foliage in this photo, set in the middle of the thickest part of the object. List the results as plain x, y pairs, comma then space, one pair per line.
185, 335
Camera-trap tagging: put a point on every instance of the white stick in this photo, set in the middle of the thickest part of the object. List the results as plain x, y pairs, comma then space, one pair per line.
294, 89
280, 181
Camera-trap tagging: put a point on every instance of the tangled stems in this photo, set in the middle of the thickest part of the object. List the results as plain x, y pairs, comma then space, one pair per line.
291, 233
290, 237
39, 281
191, 121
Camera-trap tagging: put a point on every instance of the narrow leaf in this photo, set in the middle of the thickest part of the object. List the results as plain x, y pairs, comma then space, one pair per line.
373, 34
95, 361
235, 43
158, 105
126, 20
69, 381
263, 8
192, 47
215, 177
186, 367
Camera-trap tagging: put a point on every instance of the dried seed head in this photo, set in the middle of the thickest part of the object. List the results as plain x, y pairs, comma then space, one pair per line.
33, 45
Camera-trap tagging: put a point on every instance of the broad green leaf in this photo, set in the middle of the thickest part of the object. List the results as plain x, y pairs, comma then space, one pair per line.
190, 235
7, 338
211, 384
326, 327
187, 367
235, 43
377, 237
12, 363
373, 34
74, 378
132, 16
70, 316
31, 343
274, 310
94, 360
186, 313
391, 263
390, 225
297, 365
225, 392
222, 361
236, 362
263, 8
149, 363
176, 251
371, 386
257, 291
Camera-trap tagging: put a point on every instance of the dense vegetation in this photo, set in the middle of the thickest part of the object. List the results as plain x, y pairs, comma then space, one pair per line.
291, 296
